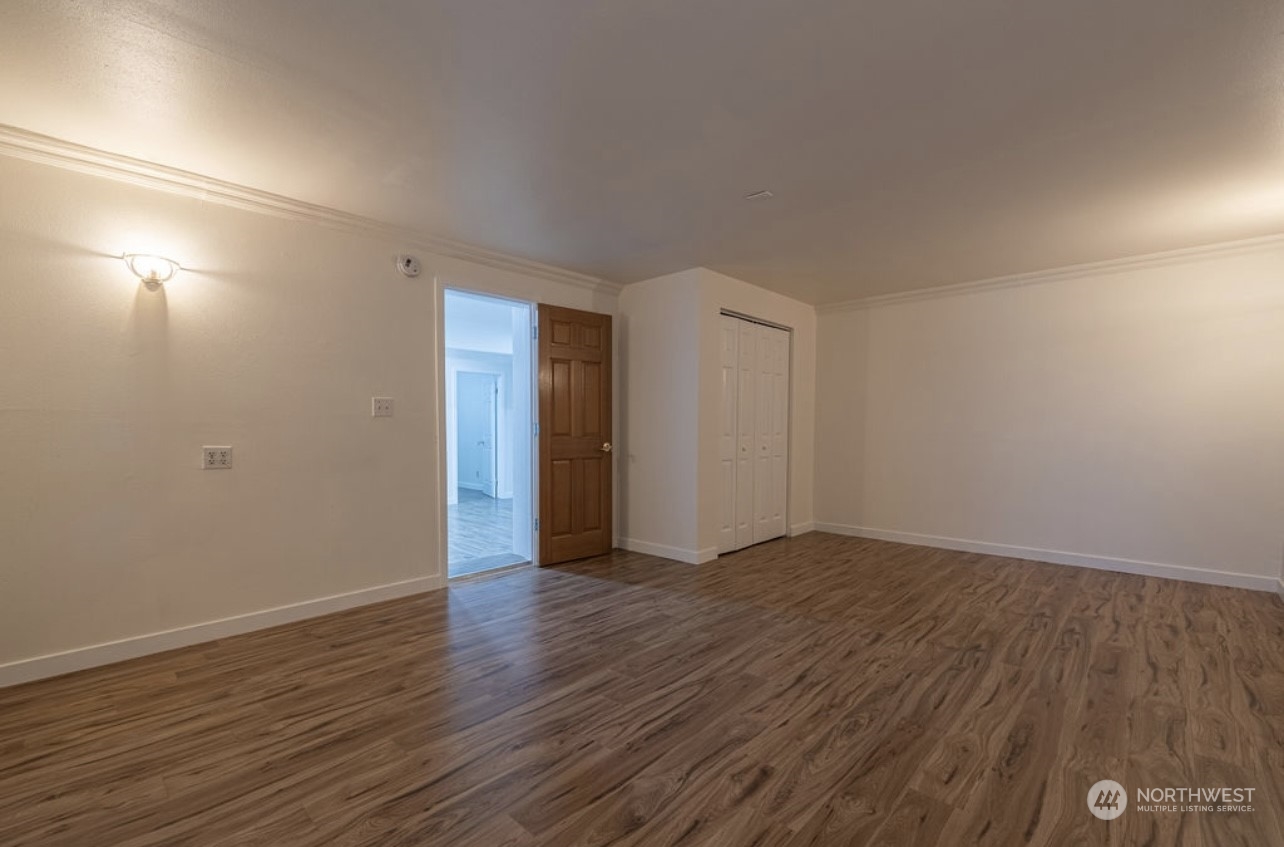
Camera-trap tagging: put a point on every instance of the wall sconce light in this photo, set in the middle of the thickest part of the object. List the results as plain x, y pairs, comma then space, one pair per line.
152, 270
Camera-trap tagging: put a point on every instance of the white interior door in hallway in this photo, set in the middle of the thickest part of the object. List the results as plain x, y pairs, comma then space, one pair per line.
754, 438
476, 404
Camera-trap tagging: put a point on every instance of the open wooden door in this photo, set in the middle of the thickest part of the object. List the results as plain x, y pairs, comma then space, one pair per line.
574, 434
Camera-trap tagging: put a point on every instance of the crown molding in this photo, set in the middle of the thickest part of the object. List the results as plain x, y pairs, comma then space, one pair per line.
43, 149
1110, 266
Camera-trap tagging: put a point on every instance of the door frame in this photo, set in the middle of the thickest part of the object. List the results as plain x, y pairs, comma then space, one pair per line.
440, 287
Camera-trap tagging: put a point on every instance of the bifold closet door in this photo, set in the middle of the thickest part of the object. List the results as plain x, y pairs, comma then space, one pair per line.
728, 435
746, 435
771, 434
753, 437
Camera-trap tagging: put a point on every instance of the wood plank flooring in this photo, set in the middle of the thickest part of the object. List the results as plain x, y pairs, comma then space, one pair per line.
815, 691
477, 527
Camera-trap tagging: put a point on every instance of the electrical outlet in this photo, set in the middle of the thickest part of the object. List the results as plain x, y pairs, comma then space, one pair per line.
381, 407
217, 458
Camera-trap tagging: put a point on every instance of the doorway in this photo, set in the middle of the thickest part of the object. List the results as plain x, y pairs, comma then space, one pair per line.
488, 388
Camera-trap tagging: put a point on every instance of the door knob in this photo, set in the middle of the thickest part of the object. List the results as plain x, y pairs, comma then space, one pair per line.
606, 448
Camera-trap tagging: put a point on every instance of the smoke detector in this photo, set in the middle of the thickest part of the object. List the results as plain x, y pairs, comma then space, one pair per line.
408, 265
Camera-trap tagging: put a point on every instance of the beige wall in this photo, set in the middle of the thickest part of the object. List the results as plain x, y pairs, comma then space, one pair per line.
670, 494
1132, 420
273, 341
660, 389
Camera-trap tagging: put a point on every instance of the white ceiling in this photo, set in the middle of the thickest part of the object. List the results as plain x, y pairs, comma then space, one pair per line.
909, 143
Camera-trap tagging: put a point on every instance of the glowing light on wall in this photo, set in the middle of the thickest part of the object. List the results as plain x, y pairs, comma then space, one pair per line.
153, 270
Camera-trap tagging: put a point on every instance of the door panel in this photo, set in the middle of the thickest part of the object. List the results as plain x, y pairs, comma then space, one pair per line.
592, 404
777, 433
728, 347
560, 419
575, 434
592, 493
747, 391
763, 413
559, 512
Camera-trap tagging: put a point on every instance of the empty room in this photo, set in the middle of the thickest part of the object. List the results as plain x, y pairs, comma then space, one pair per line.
565, 424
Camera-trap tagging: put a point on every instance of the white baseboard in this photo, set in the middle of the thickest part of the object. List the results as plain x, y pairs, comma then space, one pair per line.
679, 554
1058, 557
802, 528
1279, 587
56, 664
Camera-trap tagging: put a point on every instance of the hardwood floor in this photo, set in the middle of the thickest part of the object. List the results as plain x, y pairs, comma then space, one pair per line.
478, 527
820, 690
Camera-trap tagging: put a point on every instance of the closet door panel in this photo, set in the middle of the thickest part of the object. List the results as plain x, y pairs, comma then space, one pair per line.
764, 409
728, 433
746, 443
779, 433
771, 437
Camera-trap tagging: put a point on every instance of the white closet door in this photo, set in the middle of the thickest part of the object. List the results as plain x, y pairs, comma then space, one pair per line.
753, 437
775, 382
768, 504
728, 435
746, 443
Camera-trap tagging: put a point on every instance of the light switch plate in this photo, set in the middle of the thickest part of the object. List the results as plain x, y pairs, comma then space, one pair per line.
381, 407
217, 458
